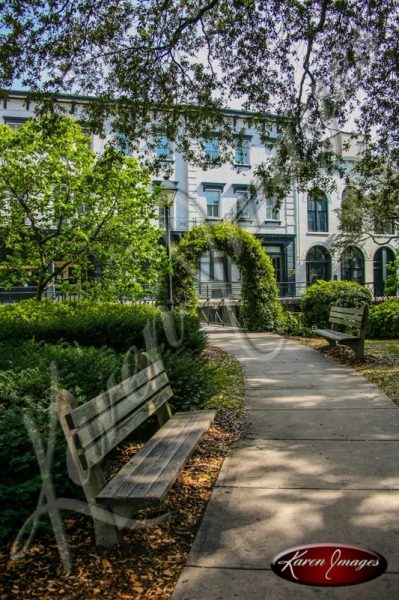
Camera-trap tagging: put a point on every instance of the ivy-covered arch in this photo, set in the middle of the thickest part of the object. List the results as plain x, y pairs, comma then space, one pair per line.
260, 308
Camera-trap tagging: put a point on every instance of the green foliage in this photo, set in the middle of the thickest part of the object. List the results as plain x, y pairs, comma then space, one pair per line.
392, 281
190, 380
146, 58
320, 296
293, 324
25, 386
259, 308
118, 326
67, 212
384, 320
370, 206
92, 357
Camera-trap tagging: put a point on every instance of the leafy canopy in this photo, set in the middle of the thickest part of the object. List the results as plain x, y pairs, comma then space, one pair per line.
64, 207
172, 66
370, 206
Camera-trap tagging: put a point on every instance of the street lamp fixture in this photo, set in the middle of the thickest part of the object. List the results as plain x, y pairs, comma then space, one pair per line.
168, 195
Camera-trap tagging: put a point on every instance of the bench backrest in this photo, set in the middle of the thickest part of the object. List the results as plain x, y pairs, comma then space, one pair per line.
100, 424
355, 318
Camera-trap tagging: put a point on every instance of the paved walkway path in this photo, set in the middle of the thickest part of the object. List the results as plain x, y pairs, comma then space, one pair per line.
321, 465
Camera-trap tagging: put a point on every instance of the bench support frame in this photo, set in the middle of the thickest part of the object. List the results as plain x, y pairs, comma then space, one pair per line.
93, 429
356, 318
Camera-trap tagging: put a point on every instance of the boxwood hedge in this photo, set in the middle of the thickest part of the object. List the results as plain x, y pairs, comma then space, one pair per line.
384, 320
320, 296
88, 344
117, 326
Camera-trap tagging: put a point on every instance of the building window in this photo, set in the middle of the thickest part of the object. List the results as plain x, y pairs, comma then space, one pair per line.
212, 149
318, 265
15, 122
272, 212
318, 212
212, 203
205, 267
382, 258
242, 153
163, 148
352, 265
243, 210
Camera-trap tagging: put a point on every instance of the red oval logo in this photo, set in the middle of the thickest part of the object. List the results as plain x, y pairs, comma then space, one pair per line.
329, 564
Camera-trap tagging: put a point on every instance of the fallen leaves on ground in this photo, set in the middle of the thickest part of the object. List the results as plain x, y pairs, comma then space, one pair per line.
147, 564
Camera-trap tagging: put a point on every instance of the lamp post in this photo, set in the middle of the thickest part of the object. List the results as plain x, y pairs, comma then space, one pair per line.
168, 195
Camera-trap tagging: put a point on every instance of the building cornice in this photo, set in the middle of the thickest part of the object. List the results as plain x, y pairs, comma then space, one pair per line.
9, 94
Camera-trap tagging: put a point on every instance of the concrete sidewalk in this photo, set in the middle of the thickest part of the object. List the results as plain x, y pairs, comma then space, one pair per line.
321, 465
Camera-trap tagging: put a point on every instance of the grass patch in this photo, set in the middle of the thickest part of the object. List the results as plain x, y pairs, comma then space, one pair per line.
388, 348
228, 378
386, 378
382, 366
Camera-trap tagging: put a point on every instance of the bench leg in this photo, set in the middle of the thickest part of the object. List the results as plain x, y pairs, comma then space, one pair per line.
357, 348
359, 351
105, 529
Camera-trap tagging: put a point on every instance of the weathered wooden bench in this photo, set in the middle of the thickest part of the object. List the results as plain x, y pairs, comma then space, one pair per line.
95, 428
353, 318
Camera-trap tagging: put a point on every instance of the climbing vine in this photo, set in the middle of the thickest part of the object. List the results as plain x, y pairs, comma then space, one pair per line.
260, 309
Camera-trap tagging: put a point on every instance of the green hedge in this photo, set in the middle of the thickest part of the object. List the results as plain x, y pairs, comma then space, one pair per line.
384, 320
320, 296
25, 380
95, 338
293, 324
118, 326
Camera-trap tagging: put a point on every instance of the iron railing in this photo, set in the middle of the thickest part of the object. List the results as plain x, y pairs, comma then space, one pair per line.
205, 289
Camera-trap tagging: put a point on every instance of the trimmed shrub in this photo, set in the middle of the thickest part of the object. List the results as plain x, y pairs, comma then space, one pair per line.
383, 320
25, 386
292, 324
320, 296
118, 326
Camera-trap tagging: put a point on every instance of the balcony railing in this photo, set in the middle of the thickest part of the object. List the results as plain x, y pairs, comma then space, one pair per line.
218, 289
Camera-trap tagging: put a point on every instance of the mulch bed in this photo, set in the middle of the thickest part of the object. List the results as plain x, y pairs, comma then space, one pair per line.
148, 562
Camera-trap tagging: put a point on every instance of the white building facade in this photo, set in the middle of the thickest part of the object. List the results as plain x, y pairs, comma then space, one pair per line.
298, 236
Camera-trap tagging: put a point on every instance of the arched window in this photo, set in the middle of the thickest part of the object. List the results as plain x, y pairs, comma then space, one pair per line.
352, 265
318, 212
318, 265
382, 256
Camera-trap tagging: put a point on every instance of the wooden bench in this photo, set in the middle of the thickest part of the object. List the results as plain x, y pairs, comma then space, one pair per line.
93, 429
353, 318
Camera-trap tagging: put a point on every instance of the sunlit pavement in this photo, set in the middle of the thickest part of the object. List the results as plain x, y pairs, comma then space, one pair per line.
320, 465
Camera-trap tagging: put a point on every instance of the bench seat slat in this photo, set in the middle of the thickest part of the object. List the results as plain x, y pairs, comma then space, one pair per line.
102, 446
87, 411
349, 317
350, 322
109, 419
149, 475
151, 449
335, 335
347, 311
